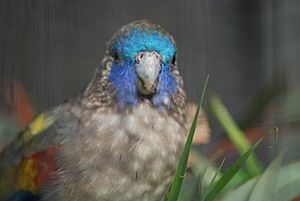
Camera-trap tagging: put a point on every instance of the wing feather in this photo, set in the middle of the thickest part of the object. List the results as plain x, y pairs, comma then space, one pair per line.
22, 161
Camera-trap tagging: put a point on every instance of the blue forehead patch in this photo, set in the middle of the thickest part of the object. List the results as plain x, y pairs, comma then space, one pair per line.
139, 40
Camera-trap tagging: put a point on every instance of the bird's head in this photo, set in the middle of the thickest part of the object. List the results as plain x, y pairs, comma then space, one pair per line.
142, 65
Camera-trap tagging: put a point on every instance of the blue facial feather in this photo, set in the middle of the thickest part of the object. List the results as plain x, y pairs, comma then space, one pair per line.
123, 75
165, 89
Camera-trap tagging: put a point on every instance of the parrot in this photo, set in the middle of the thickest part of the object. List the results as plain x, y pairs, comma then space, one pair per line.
119, 139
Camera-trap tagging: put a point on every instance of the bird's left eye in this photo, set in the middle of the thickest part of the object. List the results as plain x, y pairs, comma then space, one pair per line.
174, 59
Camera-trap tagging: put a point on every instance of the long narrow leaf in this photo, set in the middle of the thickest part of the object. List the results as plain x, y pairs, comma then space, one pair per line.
237, 136
213, 181
288, 176
228, 175
266, 184
204, 169
288, 192
180, 172
241, 193
188, 188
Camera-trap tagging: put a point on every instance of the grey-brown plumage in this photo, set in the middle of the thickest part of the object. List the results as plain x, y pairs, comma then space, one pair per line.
119, 148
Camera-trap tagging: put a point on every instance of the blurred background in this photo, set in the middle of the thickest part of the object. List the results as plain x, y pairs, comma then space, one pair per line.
49, 50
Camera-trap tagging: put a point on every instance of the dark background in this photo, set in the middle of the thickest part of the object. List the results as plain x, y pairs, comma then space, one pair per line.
53, 46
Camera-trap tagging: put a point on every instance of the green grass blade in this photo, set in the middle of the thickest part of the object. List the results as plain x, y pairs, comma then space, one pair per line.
288, 192
241, 193
180, 172
229, 174
286, 188
236, 135
202, 165
203, 169
266, 184
188, 188
213, 181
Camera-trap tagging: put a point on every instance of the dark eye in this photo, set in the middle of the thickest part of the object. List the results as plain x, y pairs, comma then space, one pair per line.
116, 56
174, 59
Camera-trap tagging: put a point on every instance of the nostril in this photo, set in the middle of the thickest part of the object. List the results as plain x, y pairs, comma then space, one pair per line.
139, 57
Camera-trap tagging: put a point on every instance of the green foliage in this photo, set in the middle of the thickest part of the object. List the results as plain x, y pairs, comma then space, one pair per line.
264, 187
285, 188
235, 134
210, 183
180, 172
229, 174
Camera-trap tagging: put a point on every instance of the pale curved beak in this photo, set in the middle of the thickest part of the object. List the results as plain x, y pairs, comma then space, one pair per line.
147, 68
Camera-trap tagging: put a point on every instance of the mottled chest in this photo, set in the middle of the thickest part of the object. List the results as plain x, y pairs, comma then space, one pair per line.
128, 156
